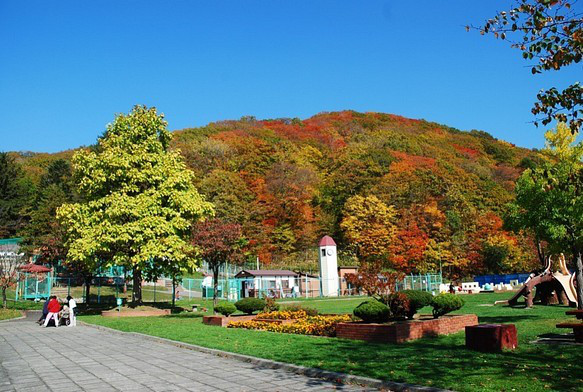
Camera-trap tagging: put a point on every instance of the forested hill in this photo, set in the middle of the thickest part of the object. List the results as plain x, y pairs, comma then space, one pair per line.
287, 181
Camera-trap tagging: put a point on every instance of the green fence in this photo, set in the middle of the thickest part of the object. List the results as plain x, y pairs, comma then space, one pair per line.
34, 286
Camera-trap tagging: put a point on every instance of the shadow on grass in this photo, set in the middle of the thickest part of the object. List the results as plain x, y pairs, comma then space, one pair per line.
444, 362
505, 319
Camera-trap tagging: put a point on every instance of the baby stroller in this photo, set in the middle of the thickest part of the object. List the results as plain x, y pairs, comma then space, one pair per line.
64, 316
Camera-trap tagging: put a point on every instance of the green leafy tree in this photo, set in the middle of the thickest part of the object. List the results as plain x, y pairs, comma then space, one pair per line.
549, 200
138, 199
14, 196
550, 31
44, 235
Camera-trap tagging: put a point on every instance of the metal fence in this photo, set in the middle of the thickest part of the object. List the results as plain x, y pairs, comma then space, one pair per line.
107, 289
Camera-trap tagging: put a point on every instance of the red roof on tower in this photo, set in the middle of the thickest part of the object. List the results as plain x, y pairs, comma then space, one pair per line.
327, 241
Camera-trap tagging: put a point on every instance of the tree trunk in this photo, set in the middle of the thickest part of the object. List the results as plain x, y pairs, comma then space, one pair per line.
579, 279
4, 301
87, 287
137, 286
173, 292
540, 252
215, 286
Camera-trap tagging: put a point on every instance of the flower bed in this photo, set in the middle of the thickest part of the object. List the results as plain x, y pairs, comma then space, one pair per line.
402, 331
283, 315
317, 325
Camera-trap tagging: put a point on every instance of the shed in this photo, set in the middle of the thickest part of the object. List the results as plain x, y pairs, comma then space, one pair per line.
267, 283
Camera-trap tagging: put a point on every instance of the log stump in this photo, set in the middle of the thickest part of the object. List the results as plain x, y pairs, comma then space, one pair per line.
491, 337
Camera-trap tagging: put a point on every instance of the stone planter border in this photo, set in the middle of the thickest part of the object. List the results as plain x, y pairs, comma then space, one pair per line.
222, 321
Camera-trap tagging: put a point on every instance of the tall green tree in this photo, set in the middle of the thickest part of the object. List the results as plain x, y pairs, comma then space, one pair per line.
14, 196
44, 235
549, 200
138, 199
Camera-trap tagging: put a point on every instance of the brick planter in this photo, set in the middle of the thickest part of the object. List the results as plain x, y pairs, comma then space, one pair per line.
136, 313
222, 321
402, 331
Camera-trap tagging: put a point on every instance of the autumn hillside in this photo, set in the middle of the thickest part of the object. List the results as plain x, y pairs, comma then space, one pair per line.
287, 181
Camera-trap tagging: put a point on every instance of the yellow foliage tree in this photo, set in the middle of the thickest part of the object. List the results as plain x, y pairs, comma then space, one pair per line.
368, 225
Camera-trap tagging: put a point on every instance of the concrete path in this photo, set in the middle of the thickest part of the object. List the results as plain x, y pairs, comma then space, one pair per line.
33, 358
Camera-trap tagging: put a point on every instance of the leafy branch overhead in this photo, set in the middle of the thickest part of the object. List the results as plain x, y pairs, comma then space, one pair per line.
549, 31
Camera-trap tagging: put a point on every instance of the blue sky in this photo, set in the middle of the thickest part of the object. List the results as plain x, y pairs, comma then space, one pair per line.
67, 67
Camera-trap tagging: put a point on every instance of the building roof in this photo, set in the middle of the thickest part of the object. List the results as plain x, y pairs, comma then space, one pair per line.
327, 241
34, 268
10, 241
266, 273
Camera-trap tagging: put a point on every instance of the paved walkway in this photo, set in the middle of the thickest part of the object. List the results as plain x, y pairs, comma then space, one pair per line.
83, 358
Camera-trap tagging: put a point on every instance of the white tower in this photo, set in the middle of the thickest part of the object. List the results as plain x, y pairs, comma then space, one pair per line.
328, 267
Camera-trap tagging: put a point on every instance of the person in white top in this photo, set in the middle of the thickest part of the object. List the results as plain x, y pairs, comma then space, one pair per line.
72, 311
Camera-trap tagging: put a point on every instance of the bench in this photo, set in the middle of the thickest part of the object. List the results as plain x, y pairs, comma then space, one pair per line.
577, 313
577, 330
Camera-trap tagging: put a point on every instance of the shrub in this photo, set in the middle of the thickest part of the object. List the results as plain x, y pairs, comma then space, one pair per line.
270, 305
225, 308
372, 312
445, 303
417, 300
398, 304
250, 305
297, 307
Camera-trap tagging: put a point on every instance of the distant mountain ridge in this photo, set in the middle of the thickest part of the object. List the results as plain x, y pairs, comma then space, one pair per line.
287, 181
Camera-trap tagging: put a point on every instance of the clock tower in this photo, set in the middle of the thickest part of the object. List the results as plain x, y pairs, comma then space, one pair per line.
328, 267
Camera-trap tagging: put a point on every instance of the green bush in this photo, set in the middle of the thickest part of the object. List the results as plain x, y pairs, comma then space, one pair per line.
295, 307
372, 312
250, 305
417, 300
445, 303
225, 308
398, 304
270, 305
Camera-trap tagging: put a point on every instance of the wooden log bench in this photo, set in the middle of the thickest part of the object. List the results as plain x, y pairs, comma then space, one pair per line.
577, 330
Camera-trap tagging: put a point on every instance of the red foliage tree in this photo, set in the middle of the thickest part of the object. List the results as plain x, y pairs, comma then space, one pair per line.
375, 282
218, 242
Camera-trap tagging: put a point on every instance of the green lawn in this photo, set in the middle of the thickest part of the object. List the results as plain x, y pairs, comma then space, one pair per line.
6, 314
442, 362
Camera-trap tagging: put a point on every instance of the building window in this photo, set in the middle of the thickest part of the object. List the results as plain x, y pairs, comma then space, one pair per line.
323, 252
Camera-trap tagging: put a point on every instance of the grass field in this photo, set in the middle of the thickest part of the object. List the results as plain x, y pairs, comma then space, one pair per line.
442, 362
6, 314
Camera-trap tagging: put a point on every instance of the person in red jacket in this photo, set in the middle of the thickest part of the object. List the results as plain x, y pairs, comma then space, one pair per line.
54, 309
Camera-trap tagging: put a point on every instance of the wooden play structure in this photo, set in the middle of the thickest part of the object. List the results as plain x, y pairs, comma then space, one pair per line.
551, 287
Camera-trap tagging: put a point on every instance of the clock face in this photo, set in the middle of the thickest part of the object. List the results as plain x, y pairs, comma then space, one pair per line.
330, 252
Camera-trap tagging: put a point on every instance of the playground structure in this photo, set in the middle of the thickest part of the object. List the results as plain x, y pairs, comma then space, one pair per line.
34, 282
551, 287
